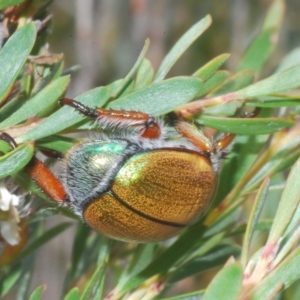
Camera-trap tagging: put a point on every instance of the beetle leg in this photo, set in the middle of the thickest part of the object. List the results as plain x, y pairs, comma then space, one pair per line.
195, 136
41, 174
46, 180
147, 124
202, 142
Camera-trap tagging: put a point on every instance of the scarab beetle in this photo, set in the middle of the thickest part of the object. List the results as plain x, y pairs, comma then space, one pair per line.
137, 183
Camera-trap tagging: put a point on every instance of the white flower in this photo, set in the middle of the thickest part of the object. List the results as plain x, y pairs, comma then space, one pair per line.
9, 216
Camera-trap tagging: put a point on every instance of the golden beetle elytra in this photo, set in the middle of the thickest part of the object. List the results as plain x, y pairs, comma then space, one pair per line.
135, 183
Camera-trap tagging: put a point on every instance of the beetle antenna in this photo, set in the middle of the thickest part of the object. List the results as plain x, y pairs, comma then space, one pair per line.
10, 140
80, 107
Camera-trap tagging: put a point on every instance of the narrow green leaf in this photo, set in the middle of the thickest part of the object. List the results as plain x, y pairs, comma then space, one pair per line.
215, 258
13, 56
103, 255
46, 97
37, 293
206, 247
258, 52
289, 60
239, 161
142, 256
144, 75
286, 273
16, 159
9, 281
73, 294
234, 83
279, 82
226, 220
294, 222
228, 109
292, 240
77, 266
273, 164
46, 237
245, 126
161, 97
263, 45
162, 264
262, 225
253, 219
287, 162
213, 83
57, 143
125, 91
287, 206
23, 288
10, 107
54, 72
94, 287
189, 296
133, 70
275, 15
283, 81
209, 69
273, 103
7, 3
226, 285
66, 116
181, 46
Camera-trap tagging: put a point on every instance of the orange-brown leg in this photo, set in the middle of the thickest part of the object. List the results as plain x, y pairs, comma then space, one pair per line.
146, 123
195, 136
46, 180
202, 142
41, 174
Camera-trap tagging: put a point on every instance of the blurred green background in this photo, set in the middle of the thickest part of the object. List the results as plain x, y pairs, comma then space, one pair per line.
106, 36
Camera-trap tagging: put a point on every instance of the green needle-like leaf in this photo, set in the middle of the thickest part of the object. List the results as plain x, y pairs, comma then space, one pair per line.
94, 287
211, 67
9, 281
262, 46
160, 98
37, 293
279, 82
133, 70
163, 263
287, 206
245, 126
144, 75
181, 46
46, 97
255, 213
13, 56
226, 285
283, 276
46, 237
213, 83
7, 3
16, 160
73, 294
234, 83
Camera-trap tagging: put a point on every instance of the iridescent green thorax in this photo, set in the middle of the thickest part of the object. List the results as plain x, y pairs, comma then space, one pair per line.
92, 166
